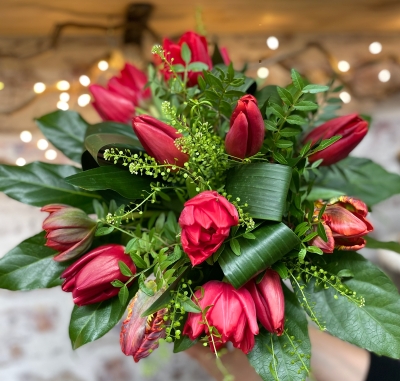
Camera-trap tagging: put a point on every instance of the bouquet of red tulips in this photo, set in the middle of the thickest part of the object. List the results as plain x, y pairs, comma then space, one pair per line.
192, 201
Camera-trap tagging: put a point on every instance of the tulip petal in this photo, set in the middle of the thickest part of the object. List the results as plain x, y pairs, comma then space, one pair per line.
352, 244
343, 223
237, 137
326, 247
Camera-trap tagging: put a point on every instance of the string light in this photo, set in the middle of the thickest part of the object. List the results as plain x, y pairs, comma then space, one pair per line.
83, 100
64, 97
42, 144
343, 66
50, 154
25, 136
375, 47
103, 65
84, 80
62, 105
384, 75
1, 85
273, 43
262, 72
20, 161
345, 97
63, 85
39, 87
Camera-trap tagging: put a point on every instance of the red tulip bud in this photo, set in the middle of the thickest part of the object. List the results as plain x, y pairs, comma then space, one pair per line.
352, 129
140, 335
345, 224
68, 230
246, 135
110, 105
158, 139
269, 301
89, 278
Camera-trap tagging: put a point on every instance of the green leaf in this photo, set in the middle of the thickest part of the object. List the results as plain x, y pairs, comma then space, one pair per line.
290, 131
281, 269
298, 81
315, 250
296, 119
374, 326
104, 230
374, 244
249, 236
112, 177
282, 143
66, 131
277, 110
263, 186
272, 242
321, 232
89, 323
290, 357
306, 106
142, 285
285, 95
40, 184
361, 178
235, 246
186, 54
313, 89
138, 261
183, 343
102, 136
345, 273
178, 68
198, 66
323, 193
30, 265
268, 93
125, 270
189, 306
325, 144
123, 294
163, 297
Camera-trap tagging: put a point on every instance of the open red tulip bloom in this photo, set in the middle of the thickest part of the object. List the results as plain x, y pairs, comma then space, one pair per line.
345, 225
232, 313
206, 221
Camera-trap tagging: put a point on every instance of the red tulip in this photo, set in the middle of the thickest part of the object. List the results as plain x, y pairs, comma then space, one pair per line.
232, 313
117, 102
206, 221
352, 129
225, 55
158, 139
68, 230
199, 49
345, 224
246, 134
269, 301
140, 335
89, 278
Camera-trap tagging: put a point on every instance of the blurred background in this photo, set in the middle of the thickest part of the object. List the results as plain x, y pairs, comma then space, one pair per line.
51, 51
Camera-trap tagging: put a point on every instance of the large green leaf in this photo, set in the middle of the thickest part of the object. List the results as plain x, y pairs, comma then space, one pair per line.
272, 242
89, 323
110, 135
286, 357
112, 177
374, 326
263, 186
66, 131
30, 265
361, 178
390, 245
40, 184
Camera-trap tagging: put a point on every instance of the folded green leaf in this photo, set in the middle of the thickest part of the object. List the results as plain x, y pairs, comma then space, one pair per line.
272, 242
112, 177
40, 184
263, 186
287, 355
30, 265
374, 326
66, 131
